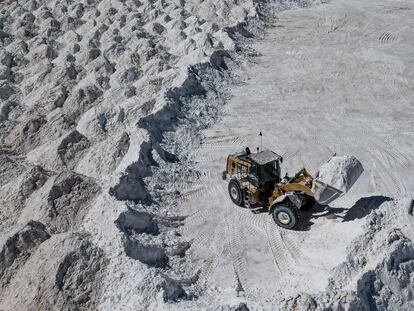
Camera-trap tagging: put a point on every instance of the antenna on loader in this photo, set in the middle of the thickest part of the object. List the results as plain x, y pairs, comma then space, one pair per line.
261, 140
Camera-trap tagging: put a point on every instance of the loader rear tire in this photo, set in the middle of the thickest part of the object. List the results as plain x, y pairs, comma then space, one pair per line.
285, 215
235, 192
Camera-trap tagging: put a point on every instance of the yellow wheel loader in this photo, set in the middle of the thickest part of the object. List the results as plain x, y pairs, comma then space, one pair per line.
255, 182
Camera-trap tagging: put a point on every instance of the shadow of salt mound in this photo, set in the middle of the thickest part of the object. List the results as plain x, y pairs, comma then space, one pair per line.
359, 210
132, 221
364, 206
150, 254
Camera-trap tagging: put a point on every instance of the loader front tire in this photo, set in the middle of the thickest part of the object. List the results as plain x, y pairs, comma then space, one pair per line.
285, 215
235, 192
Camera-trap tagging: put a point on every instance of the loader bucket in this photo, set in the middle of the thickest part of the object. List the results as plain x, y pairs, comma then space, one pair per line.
325, 194
335, 178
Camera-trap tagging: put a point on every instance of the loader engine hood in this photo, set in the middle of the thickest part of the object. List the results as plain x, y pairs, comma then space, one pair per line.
335, 178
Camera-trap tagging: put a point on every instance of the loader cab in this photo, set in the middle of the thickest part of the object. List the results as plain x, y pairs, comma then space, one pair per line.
265, 169
261, 169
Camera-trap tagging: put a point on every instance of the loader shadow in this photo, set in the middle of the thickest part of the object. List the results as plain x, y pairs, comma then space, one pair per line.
359, 210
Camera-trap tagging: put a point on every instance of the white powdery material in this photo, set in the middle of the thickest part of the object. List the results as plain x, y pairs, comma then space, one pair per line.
340, 172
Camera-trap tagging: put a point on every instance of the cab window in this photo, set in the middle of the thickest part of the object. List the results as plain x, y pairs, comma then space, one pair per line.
241, 169
254, 170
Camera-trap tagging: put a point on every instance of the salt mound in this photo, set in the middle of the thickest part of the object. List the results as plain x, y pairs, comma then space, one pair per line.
340, 172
